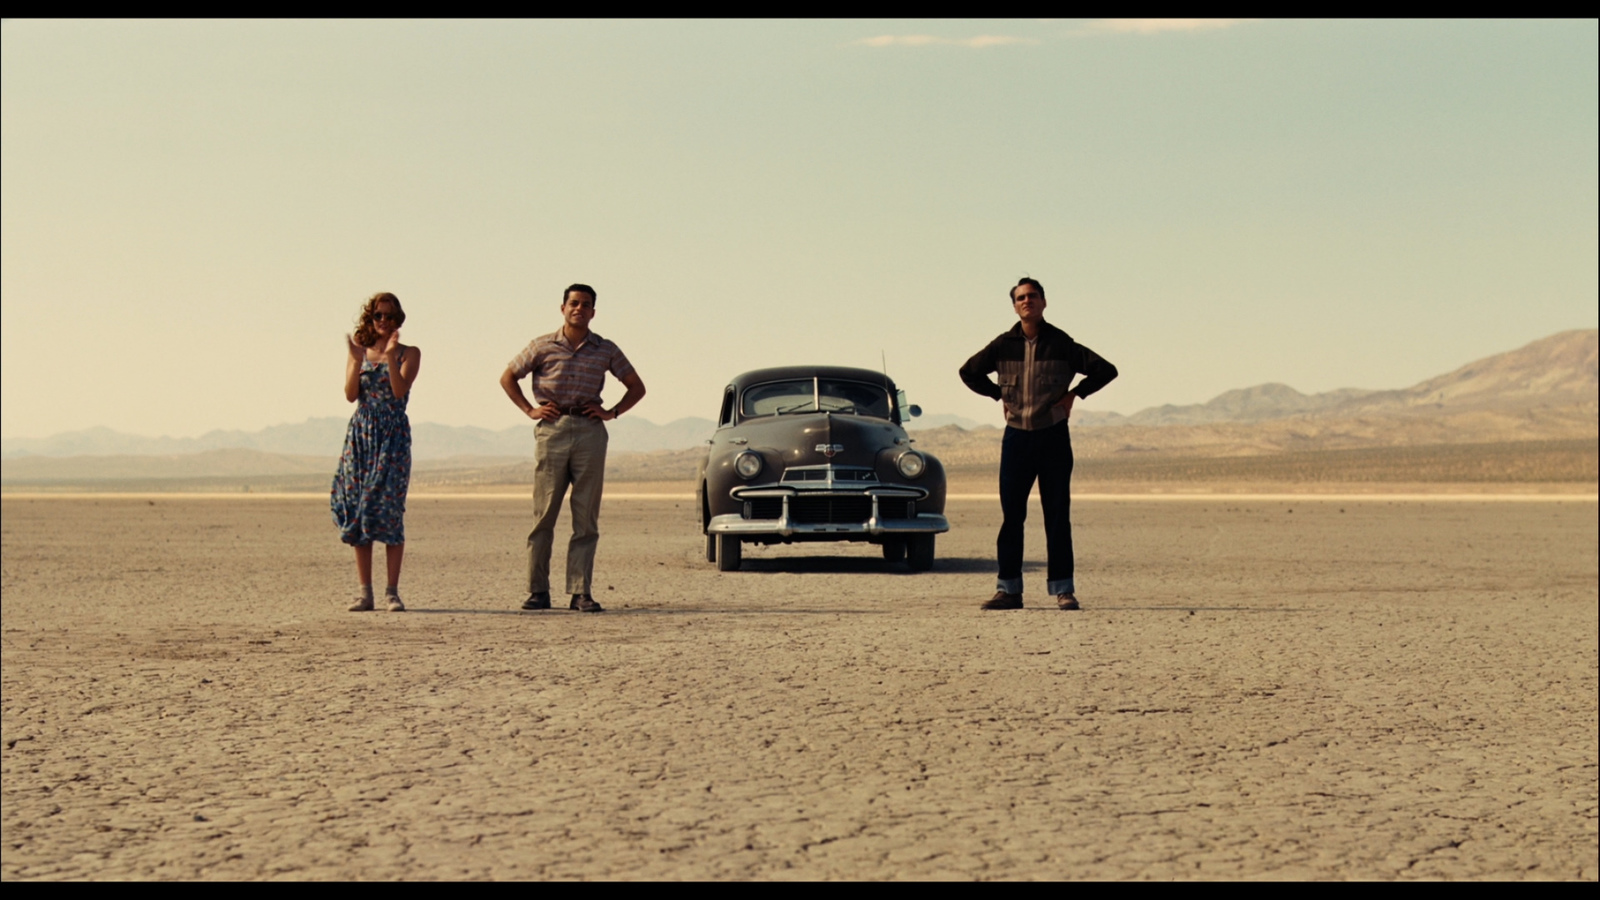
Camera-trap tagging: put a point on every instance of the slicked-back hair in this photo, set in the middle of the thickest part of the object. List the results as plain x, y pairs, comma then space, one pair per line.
582, 289
1026, 280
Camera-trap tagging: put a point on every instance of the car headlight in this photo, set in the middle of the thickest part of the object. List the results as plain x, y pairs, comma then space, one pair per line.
911, 464
748, 465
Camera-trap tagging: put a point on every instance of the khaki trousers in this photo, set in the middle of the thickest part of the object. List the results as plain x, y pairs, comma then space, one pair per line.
568, 452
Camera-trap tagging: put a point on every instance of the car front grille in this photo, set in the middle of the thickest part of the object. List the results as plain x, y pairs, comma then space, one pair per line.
896, 508
830, 510
829, 473
764, 508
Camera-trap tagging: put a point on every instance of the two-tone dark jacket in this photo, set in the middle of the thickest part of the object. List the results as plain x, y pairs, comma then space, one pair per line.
1035, 376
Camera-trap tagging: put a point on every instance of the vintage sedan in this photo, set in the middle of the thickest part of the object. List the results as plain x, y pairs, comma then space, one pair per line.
818, 453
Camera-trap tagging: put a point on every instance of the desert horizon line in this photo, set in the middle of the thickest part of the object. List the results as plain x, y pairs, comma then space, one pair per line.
1089, 416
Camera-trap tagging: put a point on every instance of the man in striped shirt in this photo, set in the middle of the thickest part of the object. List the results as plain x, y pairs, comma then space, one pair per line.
569, 369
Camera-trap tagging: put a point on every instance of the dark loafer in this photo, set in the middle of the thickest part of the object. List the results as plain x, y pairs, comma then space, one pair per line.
585, 603
1067, 601
1003, 600
537, 600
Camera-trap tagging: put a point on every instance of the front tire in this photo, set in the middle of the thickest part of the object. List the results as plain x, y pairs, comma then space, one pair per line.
711, 547
894, 550
919, 552
730, 553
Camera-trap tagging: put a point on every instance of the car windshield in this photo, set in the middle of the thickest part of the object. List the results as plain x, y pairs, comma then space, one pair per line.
776, 398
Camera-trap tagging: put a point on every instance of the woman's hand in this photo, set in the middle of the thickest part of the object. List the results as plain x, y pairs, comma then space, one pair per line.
357, 352
391, 346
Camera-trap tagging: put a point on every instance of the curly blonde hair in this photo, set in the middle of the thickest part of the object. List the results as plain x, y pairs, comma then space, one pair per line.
366, 335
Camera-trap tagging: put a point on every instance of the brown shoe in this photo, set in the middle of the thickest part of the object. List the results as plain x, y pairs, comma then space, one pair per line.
537, 600
1067, 601
362, 604
1003, 600
585, 603
394, 603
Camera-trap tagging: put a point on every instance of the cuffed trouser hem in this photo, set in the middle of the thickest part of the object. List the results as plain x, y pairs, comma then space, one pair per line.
1056, 587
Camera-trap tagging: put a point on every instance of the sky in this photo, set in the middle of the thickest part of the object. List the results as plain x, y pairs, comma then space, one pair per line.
191, 213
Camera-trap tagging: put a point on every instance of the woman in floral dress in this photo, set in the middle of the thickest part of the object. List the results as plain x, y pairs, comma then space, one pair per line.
369, 491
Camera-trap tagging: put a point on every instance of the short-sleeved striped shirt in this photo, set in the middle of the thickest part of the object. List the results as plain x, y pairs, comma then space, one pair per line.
568, 377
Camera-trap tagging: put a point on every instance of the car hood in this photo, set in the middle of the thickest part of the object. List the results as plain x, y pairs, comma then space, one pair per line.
815, 439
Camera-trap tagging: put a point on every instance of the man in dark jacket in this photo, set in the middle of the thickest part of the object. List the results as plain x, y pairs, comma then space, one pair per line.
1036, 363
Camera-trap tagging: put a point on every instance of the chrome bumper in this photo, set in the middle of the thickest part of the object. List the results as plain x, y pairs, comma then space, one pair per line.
876, 525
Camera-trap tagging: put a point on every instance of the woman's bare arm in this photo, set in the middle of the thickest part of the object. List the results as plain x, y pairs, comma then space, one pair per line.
352, 369
401, 376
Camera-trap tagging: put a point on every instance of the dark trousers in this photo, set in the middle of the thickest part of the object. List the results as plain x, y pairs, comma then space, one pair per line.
1046, 456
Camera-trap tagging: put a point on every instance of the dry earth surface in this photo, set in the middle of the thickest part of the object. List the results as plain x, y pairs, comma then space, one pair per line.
1291, 688
971, 460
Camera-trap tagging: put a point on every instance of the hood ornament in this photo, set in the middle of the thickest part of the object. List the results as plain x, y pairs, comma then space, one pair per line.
830, 450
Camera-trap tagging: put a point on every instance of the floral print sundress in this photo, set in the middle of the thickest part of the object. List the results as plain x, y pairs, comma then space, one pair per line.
369, 490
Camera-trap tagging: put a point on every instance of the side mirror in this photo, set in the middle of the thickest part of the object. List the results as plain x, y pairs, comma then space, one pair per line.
915, 410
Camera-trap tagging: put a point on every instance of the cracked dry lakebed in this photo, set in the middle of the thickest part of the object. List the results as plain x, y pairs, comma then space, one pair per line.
1302, 688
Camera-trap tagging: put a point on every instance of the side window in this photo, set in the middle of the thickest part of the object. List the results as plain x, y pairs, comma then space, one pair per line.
726, 416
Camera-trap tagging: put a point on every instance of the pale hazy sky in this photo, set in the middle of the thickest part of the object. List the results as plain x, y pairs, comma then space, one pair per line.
192, 212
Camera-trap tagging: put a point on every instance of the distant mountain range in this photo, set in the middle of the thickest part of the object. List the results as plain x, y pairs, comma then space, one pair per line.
940, 420
1251, 404
325, 437
1559, 369
1546, 390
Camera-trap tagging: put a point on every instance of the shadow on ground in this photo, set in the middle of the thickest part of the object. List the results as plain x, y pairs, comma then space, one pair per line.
655, 611
847, 564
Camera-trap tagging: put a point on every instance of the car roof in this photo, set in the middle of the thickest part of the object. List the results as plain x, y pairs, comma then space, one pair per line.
785, 373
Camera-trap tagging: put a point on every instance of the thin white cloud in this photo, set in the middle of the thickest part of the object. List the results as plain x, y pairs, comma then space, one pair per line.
928, 40
1156, 26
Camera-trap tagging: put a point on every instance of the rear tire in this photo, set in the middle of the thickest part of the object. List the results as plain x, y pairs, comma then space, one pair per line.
919, 552
729, 553
894, 549
711, 547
